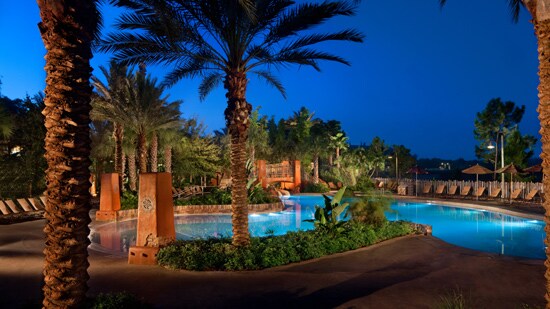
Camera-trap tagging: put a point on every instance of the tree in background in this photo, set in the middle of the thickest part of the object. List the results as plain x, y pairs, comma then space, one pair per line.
497, 118
318, 141
519, 148
258, 139
376, 156
224, 41
404, 162
339, 142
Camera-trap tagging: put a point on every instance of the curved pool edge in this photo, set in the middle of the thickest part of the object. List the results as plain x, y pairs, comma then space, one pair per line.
471, 205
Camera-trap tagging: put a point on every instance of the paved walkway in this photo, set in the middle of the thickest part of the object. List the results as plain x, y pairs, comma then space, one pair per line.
410, 272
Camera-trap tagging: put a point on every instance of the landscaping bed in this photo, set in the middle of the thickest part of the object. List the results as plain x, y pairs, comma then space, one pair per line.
264, 252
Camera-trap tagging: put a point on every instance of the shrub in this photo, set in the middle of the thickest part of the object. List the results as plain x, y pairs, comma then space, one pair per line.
217, 196
129, 200
316, 188
264, 252
370, 209
364, 184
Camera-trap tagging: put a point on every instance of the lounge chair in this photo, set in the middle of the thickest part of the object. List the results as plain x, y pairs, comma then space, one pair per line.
4, 209
44, 200
439, 190
465, 191
479, 192
24, 204
12, 206
427, 188
339, 185
36, 204
531, 195
332, 186
495, 193
515, 194
380, 185
452, 190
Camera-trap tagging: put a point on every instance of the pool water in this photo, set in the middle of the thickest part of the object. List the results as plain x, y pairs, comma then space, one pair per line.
474, 229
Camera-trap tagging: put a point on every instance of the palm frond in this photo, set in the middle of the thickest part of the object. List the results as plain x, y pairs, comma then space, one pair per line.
345, 35
208, 83
272, 81
307, 15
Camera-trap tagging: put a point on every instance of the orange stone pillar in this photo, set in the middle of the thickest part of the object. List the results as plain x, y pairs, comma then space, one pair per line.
297, 175
155, 227
109, 199
262, 172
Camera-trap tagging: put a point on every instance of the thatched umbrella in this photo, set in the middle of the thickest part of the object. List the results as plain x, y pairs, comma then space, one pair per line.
533, 169
477, 169
512, 169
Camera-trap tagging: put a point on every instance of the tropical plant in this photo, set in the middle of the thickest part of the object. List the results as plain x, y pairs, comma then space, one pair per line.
257, 144
224, 41
376, 156
328, 218
370, 208
540, 13
339, 142
67, 29
109, 104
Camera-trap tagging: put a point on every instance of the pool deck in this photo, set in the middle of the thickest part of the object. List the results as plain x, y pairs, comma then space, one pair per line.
408, 272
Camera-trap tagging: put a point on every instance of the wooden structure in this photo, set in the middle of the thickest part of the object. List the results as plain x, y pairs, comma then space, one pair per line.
288, 174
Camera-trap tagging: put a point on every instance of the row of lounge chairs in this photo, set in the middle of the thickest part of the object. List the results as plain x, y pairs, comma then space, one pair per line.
21, 205
480, 193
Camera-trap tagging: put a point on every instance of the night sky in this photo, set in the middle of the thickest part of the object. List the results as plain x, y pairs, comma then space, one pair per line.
418, 80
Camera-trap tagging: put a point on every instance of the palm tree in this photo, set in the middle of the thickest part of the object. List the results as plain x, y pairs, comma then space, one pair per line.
540, 13
223, 41
339, 142
67, 29
108, 95
147, 111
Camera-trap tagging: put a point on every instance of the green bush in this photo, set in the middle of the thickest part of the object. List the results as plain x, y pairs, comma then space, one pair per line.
223, 197
370, 209
364, 184
316, 188
120, 300
264, 252
129, 200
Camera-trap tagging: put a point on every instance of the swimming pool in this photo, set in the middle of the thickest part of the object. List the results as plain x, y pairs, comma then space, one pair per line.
474, 229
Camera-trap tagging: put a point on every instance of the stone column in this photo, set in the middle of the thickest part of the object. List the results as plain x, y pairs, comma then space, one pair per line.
109, 199
155, 227
297, 175
261, 172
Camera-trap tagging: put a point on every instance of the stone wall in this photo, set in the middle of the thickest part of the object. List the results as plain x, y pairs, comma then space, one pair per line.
206, 209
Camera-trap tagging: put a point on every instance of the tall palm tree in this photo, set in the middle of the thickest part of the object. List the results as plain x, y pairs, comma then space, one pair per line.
67, 29
108, 95
339, 142
147, 111
540, 13
223, 41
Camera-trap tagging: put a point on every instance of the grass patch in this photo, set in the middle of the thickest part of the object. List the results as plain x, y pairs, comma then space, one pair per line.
454, 299
265, 252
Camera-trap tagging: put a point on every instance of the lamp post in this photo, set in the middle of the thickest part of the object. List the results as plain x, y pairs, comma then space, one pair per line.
491, 146
396, 168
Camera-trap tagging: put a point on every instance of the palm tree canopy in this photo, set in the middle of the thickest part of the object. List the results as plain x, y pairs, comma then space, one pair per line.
212, 38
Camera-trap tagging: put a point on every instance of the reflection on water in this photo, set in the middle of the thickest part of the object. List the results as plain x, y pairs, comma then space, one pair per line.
474, 229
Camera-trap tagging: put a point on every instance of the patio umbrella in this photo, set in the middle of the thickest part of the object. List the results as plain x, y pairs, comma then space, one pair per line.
512, 169
477, 169
416, 170
533, 169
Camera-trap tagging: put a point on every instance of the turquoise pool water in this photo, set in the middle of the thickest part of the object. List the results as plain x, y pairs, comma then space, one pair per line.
474, 229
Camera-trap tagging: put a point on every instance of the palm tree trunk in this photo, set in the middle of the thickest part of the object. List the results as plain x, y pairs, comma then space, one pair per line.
330, 161
154, 152
168, 158
316, 169
67, 30
122, 171
338, 157
132, 173
542, 30
118, 133
236, 117
142, 152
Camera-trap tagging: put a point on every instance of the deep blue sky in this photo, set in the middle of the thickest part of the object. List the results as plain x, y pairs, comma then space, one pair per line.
418, 80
